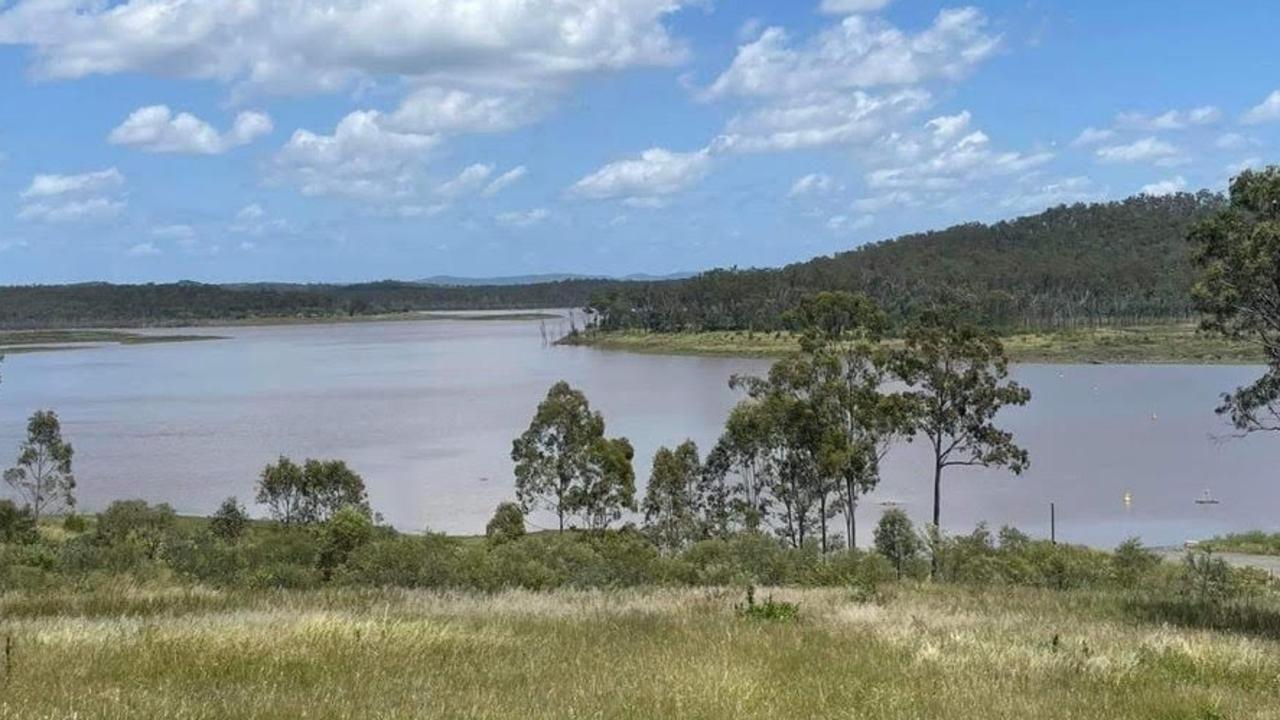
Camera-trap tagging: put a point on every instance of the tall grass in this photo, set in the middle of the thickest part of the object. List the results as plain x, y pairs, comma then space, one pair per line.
928, 652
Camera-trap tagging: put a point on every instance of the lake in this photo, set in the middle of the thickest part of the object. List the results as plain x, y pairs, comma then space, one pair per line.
426, 412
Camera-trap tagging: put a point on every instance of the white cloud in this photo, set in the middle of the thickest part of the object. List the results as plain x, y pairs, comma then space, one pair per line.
1170, 120
1165, 187
524, 219
818, 119
156, 129
951, 162
1264, 112
1059, 192
1092, 136
470, 179
1146, 149
72, 198
252, 219
180, 233
289, 46
144, 249
844, 223
505, 180
1233, 141
653, 174
360, 159
69, 211
877, 203
851, 7
813, 184
43, 186
1248, 163
858, 52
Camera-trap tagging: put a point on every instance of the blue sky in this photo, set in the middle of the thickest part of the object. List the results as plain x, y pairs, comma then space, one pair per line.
227, 140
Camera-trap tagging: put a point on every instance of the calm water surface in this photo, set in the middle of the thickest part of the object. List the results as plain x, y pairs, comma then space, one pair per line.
426, 412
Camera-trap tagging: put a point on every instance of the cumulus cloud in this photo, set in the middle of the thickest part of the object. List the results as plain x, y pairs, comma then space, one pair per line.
470, 179
1165, 187
449, 110
73, 198
1143, 150
1058, 192
818, 119
949, 156
361, 159
144, 249
156, 129
654, 174
1264, 112
287, 46
859, 52
1171, 120
844, 223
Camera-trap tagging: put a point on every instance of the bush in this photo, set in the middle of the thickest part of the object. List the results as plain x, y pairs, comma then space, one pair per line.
75, 523
229, 522
137, 523
506, 525
428, 561
348, 529
1131, 563
896, 539
17, 525
769, 610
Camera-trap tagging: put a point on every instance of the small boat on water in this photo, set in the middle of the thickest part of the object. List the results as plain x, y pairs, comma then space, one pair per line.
1206, 499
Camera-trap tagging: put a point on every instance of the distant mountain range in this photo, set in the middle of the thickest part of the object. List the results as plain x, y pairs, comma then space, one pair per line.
508, 280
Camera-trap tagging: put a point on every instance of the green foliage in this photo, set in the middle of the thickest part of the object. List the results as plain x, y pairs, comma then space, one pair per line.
1075, 265
957, 384
672, 507
229, 522
564, 462
43, 476
1237, 255
1133, 563
75, 523
896, 539
311, 493
17, 525
137, 524
770, 610
348, 528
507, 524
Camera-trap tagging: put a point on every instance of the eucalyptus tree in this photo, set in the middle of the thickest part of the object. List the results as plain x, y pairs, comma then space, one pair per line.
842, 333
957, 378
1237, 254
43, 475
672, 508
564, 462
743, 450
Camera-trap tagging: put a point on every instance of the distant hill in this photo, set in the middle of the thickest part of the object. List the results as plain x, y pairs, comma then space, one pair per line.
1121, 261
456, 281
1125, 261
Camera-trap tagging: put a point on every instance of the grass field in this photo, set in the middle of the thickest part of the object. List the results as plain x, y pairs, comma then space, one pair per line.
925, 652
1172, 343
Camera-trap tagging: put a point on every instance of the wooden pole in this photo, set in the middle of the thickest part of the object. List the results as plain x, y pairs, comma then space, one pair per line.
1053, 524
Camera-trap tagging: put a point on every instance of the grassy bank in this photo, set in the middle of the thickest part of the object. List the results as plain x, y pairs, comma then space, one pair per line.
1172, 343
1250, 543
924, 652
18, 341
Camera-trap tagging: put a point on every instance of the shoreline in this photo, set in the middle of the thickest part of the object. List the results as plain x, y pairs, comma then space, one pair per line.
1171, 344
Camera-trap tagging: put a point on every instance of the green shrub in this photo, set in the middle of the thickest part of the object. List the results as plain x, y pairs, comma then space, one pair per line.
1132, 564
349, 528
229, 522
75, 523
428, 561
17, 525
896, 540
136, 522
770, 610
507, 524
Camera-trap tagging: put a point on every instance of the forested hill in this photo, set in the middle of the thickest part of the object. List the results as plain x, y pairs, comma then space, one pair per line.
1125, 261
1113, 262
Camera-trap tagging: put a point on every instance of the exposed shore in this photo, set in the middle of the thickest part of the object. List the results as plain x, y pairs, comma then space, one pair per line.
1149, 344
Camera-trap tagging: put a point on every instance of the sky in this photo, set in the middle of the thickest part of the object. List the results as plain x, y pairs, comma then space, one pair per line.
351, 140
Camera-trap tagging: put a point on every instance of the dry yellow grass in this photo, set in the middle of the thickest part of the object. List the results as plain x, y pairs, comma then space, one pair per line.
923, 653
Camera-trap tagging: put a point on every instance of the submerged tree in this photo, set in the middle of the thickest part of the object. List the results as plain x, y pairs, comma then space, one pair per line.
43, 476
957, 379
565, 463
1237, 253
